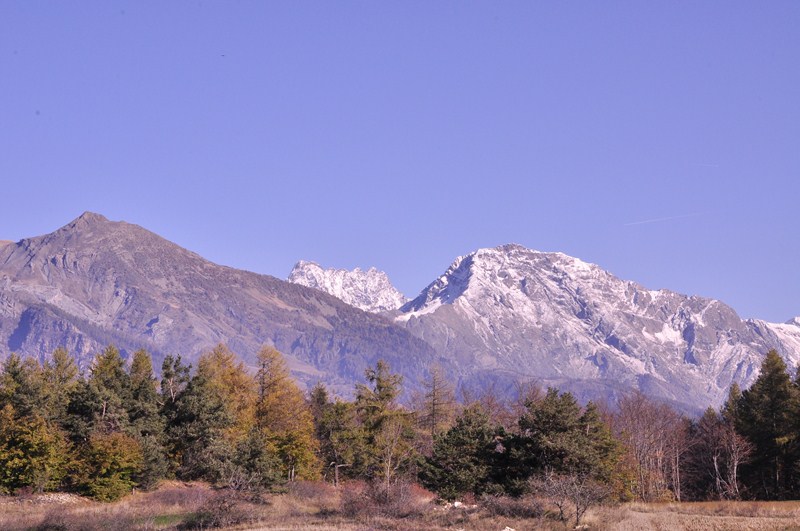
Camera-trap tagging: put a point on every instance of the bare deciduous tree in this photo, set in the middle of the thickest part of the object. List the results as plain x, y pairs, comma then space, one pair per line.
574, 493
656, 436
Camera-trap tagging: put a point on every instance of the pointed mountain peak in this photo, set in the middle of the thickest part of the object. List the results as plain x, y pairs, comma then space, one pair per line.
87, 220
491, 270
90, 218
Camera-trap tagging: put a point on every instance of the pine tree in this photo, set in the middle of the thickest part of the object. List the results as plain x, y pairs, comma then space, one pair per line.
388, 433
338, 432
146, 423
61, 380
731, 409
197, 429
109, 389
599, 451
548, 433
767, 413
462, 457
174, 377
558, 437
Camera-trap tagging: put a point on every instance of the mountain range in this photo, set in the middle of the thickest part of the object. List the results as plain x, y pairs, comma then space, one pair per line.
494, 318
507, 314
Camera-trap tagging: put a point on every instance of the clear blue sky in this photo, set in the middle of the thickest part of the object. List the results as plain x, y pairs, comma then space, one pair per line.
660, 140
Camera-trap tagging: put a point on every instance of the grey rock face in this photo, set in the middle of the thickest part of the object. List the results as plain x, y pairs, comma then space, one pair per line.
510, 312
368, 290
95, 282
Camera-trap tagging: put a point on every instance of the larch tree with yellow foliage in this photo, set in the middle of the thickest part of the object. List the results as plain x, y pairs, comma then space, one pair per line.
284, 418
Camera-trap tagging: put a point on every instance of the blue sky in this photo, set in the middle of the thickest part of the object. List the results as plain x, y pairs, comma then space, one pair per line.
660, 140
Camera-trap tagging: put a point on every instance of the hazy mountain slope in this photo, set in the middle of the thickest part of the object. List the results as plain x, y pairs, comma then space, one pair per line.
94, 281
510, 311
368, 290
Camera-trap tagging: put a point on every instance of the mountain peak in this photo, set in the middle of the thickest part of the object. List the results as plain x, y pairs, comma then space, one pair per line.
489, 268
368, 290
90, 218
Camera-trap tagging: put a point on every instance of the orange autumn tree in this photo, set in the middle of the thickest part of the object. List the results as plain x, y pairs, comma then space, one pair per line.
283, 417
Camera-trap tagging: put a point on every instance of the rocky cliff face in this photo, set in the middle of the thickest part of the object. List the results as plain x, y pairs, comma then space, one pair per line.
510, 312
368, 290
95, 282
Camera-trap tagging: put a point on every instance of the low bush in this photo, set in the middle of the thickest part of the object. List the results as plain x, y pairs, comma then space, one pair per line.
523, 507
399, 500
226, 509
64, 520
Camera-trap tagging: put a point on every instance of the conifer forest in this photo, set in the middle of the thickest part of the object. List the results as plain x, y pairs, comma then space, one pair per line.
118, 428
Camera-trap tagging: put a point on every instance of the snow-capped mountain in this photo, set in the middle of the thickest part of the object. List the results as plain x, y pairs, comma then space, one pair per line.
368, 290
509, 312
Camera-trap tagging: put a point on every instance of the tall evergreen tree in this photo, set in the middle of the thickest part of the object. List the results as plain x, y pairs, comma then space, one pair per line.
338, 432
463, 456
767, 416
197, 428
557, 436
146, 423
387, 429
174, 377
61, 380
109, 388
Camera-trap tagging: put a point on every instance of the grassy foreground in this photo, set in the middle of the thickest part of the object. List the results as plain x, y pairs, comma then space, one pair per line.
309, 505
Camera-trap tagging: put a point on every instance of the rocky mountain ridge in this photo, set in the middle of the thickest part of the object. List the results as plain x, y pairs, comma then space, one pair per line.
368, 290
509, 311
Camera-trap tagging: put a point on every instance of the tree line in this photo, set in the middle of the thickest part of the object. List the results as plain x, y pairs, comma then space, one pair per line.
118, 427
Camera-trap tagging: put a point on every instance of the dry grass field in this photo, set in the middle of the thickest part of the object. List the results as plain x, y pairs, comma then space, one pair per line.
320, 506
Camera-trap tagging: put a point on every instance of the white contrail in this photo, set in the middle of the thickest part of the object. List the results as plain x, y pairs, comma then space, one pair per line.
657, 220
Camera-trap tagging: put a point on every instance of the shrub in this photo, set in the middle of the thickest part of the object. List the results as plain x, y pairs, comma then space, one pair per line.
226, 509
110, 463
523, 507
314, 491
400, 500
